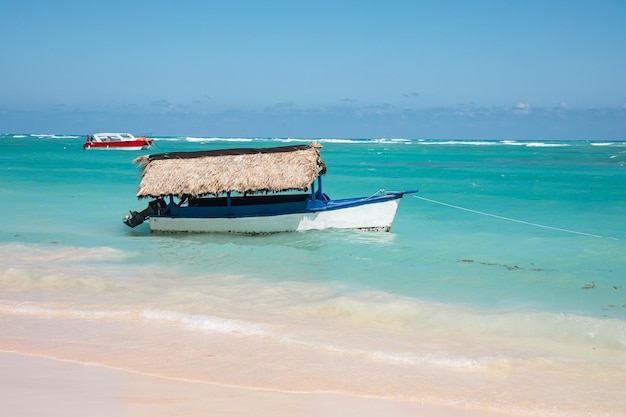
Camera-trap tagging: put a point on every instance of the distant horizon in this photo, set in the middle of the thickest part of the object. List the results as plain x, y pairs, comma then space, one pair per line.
299, 138
471, 124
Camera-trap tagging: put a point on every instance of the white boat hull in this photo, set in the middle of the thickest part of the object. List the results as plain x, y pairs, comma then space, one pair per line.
378, 216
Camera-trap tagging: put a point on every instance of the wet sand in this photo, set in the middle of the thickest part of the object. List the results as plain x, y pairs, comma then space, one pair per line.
36, 386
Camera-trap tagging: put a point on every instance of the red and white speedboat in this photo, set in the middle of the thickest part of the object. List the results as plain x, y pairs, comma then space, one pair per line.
124, 141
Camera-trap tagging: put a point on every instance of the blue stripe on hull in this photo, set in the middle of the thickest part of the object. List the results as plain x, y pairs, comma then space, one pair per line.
256, 206
270, 214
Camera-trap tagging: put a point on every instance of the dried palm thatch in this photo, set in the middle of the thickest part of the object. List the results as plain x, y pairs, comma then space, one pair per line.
245, 170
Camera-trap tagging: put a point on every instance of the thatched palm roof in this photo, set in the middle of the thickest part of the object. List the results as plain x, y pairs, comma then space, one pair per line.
244, 170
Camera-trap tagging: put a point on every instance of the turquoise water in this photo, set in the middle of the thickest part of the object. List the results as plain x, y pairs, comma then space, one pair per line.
514, 243
56, 193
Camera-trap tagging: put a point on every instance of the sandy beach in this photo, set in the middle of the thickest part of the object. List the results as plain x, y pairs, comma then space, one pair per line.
36, 386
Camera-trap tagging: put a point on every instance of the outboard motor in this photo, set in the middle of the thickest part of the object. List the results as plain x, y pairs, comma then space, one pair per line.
136, 218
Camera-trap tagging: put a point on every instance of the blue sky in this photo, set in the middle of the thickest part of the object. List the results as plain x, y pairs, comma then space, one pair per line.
361, 69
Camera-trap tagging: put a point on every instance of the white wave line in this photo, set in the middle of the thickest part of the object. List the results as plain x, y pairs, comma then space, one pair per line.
513, 220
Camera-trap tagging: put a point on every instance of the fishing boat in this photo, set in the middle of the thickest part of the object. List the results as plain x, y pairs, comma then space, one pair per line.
251, 191
124, 141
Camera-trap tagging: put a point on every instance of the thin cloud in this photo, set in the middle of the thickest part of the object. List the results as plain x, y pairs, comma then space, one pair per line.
161, 103
165, 105
282, 105
522, 108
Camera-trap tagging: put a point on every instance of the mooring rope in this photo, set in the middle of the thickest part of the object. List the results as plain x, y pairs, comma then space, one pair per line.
513, 220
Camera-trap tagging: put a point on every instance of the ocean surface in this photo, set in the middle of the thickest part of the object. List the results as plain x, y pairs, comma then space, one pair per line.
502, 284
